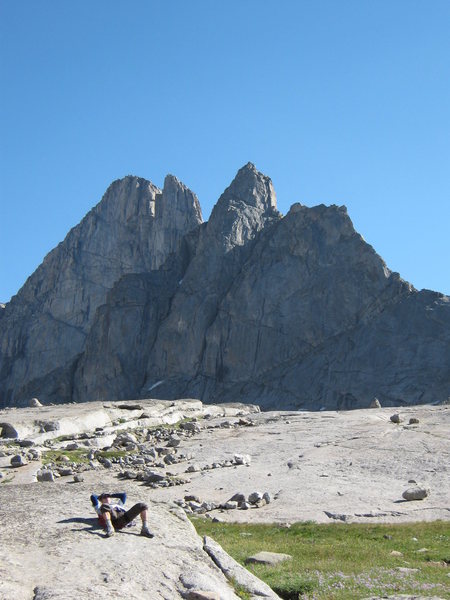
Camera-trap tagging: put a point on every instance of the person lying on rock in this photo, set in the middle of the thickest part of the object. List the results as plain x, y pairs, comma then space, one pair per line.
112, 515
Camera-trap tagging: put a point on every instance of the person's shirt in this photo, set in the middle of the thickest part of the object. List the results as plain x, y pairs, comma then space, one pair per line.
118, 506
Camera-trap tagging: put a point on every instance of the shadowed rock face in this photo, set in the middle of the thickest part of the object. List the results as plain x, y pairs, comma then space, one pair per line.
293, 312
44, 327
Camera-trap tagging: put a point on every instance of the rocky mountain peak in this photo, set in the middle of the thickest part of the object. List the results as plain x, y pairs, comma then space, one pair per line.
251, 187
179, 202
296, 311
128, 198
133, 229
243, 209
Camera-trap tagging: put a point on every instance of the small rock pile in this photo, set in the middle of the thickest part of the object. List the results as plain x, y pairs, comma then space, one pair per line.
238, 459
192, 504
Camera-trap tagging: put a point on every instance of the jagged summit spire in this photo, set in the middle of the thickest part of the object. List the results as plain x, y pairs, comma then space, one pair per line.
243, 209
252, 187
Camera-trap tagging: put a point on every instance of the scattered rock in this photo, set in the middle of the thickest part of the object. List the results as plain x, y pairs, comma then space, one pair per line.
260, 503
395, 418
174, 441
34, 403
45, 475
268, 558
238, 497
395, 553
154, 477
63, 458
78, 477
72, 446
267, 498
242, 459
255, 497
337, 516
18, 461
190, 426
26, 443
192, 498
413, 421
375, 403
416, 493
193, 468
65, 472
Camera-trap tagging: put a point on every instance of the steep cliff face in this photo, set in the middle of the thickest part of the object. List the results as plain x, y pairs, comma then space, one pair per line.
286, 312
44, 327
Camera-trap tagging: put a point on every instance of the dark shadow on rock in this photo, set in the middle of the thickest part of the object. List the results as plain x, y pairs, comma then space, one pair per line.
87, 521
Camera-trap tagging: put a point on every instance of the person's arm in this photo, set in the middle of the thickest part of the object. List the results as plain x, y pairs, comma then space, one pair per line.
122, 497
95, 503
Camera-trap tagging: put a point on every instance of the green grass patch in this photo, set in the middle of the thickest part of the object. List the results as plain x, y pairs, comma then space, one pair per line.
54, 456
343, 561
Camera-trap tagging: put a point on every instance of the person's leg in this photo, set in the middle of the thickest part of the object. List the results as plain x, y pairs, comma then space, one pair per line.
145, 530
109, 525
138, 509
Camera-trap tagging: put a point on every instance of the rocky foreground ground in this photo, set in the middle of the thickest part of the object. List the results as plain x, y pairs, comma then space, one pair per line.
230, 463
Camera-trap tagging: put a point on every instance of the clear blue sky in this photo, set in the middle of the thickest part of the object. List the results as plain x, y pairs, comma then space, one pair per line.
339, 102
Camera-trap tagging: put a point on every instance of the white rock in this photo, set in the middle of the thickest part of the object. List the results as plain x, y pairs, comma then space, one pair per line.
242, 459
34, 403
268, 558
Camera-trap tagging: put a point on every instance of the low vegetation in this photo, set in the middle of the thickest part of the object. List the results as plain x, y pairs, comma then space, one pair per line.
343, 561
54, 456
81, 455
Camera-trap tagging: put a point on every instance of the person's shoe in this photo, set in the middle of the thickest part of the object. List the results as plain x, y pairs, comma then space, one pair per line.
146, 532
110, 532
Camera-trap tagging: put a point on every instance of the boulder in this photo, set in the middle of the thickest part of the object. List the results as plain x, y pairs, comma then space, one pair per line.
268, 558
45, 475
238, 497
242, 459
416, 493
174, 441
18, 461
236, 572
34, 403
255, 497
